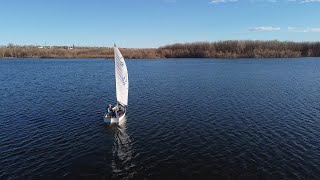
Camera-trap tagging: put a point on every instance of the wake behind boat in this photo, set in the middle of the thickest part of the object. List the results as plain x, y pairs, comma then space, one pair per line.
116, 114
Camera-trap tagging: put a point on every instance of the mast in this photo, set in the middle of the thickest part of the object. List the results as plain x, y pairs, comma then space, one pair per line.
115, 73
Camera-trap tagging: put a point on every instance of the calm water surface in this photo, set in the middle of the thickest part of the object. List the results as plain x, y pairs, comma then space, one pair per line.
199, 118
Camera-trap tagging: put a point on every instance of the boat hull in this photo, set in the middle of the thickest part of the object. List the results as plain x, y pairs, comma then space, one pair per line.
116, 120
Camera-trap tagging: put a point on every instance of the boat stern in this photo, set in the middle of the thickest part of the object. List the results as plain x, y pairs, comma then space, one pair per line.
110, 120
115, 120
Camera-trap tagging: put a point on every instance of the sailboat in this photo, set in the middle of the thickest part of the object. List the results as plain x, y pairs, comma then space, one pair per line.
122, 89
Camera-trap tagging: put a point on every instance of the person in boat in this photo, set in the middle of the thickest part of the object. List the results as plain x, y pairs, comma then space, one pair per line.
116, 110
110, 111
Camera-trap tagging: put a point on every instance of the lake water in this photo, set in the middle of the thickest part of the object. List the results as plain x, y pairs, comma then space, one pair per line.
195, 118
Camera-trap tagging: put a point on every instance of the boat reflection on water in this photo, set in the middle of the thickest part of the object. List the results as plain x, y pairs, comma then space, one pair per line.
122, 151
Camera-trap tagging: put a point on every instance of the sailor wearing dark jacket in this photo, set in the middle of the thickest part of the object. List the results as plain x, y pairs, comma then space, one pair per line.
110, 110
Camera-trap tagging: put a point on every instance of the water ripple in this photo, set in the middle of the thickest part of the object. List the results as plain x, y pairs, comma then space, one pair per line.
226, 119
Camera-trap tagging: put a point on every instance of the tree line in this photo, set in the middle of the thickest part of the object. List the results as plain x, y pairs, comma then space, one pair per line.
220, 49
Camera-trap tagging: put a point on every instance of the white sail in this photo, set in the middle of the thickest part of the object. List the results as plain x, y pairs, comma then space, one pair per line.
121, 75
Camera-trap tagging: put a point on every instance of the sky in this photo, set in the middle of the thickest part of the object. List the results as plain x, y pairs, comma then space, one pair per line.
154, 23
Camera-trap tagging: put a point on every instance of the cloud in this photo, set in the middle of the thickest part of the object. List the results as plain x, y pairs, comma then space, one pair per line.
222, 1
296, 29
264, 28
291, 28
303, 29
310, 1
304, 1
170, 1
312, 30
262, 1
299, 1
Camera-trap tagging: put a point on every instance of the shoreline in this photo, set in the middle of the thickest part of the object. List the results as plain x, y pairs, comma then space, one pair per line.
232, 49
160, 59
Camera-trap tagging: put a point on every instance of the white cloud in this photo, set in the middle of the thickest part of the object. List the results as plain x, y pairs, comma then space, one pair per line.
271, 1
296, 29
222, 1
264, 28
310, 1
170, 1
303, 29
312, 30
263, 1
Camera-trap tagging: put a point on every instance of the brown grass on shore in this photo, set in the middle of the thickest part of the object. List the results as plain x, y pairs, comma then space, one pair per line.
221, 49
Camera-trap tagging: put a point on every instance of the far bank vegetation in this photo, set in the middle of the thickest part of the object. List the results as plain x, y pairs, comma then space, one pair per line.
221, 49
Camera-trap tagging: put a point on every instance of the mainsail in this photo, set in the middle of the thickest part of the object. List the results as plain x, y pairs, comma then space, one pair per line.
121, 75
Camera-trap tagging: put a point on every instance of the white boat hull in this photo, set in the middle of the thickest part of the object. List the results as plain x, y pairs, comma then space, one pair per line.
115, 120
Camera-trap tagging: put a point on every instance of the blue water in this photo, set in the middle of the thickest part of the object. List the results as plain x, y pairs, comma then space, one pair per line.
195, 118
